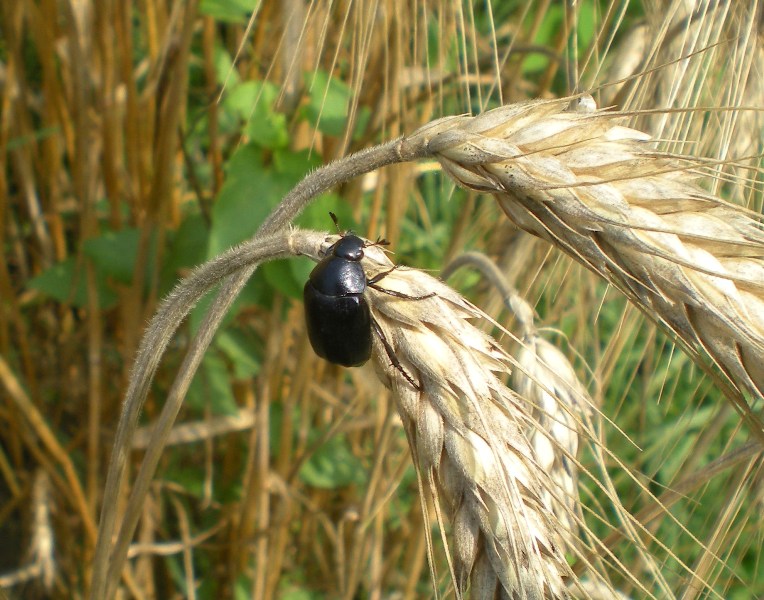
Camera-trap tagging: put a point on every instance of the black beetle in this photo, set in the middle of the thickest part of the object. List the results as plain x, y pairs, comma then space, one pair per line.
336, 312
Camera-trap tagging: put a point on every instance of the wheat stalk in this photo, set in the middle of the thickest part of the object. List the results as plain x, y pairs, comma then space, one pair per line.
231, 271
601, 192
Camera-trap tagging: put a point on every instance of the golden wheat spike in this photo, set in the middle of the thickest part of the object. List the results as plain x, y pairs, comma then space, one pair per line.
467, 433
604, 194
561, 408
560, 404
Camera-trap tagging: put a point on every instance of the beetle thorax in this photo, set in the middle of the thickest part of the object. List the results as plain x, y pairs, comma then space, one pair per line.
350, 247
337, 276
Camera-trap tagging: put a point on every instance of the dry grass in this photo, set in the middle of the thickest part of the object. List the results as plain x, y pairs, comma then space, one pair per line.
115, 118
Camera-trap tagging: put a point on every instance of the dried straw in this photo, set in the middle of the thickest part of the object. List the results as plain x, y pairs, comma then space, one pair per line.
42, 548
42, 561
666, 61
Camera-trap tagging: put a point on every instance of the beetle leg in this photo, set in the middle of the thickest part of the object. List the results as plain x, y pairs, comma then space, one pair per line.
394, 362
380, 276
380, 242
372, 283
400, 294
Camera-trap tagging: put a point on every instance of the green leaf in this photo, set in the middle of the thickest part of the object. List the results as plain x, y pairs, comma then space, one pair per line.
587, 23
283, 277
257, 292
548, 28
300, 270
327, 107
247, 196
294, 165
362, 117
225, 74
242, 588
115, 253
253, 102
333, 466
187, 249
229, 11
316, 215
251, 190
241, 98
267, 128
66, 283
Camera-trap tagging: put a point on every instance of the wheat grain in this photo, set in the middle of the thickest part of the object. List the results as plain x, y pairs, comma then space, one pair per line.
602, 193
577, 178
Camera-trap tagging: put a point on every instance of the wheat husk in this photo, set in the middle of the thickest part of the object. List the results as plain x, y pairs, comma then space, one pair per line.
604, 194
499, 464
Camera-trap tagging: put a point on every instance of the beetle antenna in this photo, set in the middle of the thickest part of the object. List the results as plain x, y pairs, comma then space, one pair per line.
372, 283
379, 242
336, 222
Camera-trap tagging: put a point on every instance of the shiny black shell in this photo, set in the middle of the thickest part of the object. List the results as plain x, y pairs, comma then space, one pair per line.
336, 313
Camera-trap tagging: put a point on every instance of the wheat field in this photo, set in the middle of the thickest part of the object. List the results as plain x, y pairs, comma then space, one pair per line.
565, 389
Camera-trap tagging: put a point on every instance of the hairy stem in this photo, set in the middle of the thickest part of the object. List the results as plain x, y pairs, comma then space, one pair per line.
233, 269
171, 312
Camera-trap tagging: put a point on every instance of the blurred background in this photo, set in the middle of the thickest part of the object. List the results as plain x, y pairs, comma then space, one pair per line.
138, 139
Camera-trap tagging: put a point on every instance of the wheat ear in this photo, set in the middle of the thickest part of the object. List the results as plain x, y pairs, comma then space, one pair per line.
561, 407
601, 192
466, 431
